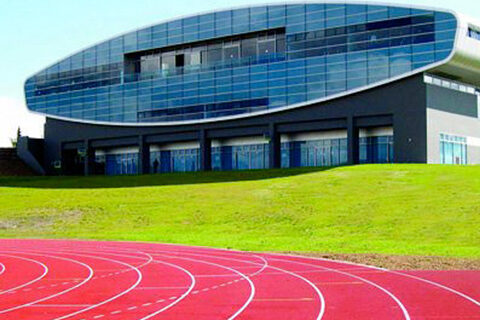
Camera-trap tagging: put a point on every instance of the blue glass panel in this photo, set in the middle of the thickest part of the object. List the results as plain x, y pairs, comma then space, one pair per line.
295, 18
377, 13
258, 18
376, 149
397, 12
356, 14
276, 16
130, 42
335, 15
342, 49
240, 21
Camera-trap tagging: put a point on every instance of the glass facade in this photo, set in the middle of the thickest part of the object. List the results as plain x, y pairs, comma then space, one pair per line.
453, 150
181, 160
376, 149
317, 153
244, 157
118, 164
312, 153
241, 61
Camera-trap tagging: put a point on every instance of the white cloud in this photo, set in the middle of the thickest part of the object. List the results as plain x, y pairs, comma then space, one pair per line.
14, 114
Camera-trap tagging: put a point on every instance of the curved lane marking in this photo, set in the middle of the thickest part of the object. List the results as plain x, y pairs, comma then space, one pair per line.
139, 279
265, 266
150, 260
433, 283
406, 315
317, 290
3, 268
58, 293
183, 296
45, 272
252, 286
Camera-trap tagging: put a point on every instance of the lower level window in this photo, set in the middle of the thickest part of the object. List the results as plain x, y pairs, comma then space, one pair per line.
121, 164
183, 160
376, 149
244, 157
316, 153
453, 149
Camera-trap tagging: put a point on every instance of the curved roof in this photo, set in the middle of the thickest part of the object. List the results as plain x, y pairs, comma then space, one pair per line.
57, 91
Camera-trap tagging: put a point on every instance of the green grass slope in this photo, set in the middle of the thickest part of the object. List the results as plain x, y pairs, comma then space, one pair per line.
391, 209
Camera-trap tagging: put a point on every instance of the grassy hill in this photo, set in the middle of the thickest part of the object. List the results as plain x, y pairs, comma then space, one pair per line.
391, 209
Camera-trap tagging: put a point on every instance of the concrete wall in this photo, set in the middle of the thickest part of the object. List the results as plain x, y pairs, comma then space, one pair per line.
31, 152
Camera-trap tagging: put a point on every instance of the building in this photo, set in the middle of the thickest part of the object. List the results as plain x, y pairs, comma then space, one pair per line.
281, 85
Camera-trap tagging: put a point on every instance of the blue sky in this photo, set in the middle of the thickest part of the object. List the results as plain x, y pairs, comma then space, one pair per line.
36, 33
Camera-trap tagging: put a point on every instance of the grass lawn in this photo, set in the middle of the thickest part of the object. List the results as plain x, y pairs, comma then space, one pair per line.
391, 209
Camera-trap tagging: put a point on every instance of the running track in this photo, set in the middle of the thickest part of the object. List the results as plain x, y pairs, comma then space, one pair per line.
74, 280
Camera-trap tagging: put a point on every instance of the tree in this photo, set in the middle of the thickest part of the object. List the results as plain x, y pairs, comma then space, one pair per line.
14, 141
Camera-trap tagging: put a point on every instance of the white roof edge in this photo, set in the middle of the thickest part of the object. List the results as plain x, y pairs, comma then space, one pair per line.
469, 19
293, 2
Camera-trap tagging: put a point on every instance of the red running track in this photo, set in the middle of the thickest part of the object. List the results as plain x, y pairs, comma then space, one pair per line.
58, 280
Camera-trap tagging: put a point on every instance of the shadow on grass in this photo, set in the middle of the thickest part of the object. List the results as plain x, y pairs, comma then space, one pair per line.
151, 180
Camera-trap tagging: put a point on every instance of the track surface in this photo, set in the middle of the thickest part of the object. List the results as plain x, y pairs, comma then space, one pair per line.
59, 280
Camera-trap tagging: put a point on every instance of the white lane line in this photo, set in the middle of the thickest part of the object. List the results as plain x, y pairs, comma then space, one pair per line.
243, 276
3, 268
45, 271
176, 299
321, 298
161, 288
58, 293
476, 302
110, 299
406, 315
433, 283
317, 290
355, 264
139, 279
60, 305
264, 266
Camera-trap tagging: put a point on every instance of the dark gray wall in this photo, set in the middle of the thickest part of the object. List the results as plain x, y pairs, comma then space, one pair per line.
452, 101
31, 151
401, 104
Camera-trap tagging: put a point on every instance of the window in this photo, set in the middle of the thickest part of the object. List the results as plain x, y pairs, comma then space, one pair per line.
314, 153
180, 60
214, 55
266, 47
121, 164
376, 149
231, 52
474, 34
195, 58
354, 38
249, 47
150, 64
168, 62
453, 149
450, 84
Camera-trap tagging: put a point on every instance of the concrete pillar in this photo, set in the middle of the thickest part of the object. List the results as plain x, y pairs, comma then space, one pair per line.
143, 156
275, 147
353, 142
205, 151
